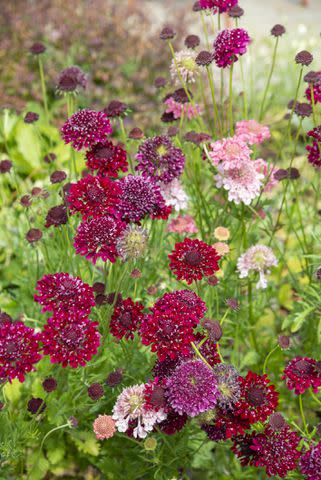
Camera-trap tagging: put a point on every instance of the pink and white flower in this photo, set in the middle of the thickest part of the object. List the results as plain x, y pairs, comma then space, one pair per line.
252, 132
174, 195
229, 150
257, 258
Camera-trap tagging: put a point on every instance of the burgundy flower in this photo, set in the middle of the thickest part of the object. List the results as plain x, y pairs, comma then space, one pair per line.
160, 159
230, 44
192, 41
181, 301
33, 235
95, 391
58, 176
70, 79
169, 333
107, 159
141, 197
173, 423
242, 447
85, 128
37, 48
49, 384
302, 373
233, 424
208, 350
96, 238
258, 398
94, 196
314, 156
193, 260
278, 30
316, 87
115, 378
56, 216
310, 463
31, 117
19, 350
5, 166
155, 395
62, 291
164, 369
36, 405
70, 339
115, 109
126, 319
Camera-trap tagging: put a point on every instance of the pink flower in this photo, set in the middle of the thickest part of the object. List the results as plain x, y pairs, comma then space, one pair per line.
104, 427
257, 258
182, 224
174, 195
252, 132
229, 150
179, 109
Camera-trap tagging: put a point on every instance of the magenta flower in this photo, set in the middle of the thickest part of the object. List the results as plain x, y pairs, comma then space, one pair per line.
218, 5
85, 128
310, 463
302, 373
229, 45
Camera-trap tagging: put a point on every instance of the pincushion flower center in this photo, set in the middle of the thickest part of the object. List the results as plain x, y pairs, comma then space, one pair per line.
193, 258
233, 149
125, 319
135, 402
255, 396
304, 367
95, 193
104, 152
162, 150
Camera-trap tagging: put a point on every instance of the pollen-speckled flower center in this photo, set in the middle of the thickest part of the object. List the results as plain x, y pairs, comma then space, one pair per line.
168, 328
125, 319
104, 152
304, 367
95, 193
259, 258
11, 348
225, 390
255, 396
193, 258
135, 402
71, 338
189, 64
233, 149
162, 150
193, 381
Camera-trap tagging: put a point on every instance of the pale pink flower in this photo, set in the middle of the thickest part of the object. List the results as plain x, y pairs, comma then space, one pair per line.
252, 132
104, 427
184, 66
241, 179
257, 258
227, 150
130, 406
178, 109
182, 224
222, 248
174, 195
268, 171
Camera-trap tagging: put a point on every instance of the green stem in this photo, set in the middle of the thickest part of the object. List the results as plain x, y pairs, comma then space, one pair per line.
215, 107
244, 89
198, 353
269, 79
315, 398
231, 101
304, 422
124, 139
268, 358
51, 431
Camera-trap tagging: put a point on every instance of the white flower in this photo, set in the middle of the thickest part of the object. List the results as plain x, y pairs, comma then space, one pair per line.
174, 195
258, 258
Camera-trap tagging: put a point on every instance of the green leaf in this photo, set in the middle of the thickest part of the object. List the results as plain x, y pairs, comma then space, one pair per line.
37, 466
12, 391
86, 443
251, 358
300, 318
28, 145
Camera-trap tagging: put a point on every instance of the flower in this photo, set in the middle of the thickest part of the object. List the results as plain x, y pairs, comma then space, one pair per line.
160, 159
184, 68
185, 301
310, 463
130, 407
222, 234
19, 350
229, 150
115, 109
278, 30
208, 350
70, 79
85, 128
242, 447
136, 134
230, 423
33, 235
5, 166
169, 333
49, 384
314, 156
58, 176
141, 197
204, 58
126, 319
276, 421
94, 196
258, 258
276, 451
106, 159
167, 33
188, 110
115, 378
37, 48
193, 260
192, 41
213, 329
313, 92
236, 12
182, 224
302, 373
214, 433
221, 248
252, 132
95, 391
268, 171
56, 216
174, 422
62, 291
36, 405
174, 195
258, 399
97, 238
218, 5
104, 427
228, 385
70, 339
192, 388
228, 45
31, 117
132, 242
304, 58
154, 393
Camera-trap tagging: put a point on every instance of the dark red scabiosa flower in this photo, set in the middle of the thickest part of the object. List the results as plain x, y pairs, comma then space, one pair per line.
58, 176
160, 82
94, 196
303, 110
36, 405
31, 117
19, 350
219, 6
310, 463
258, 398
115, 378
62, 291
107, 159
85, 128
181, 301
126, 319
70, 339
318, 274
314, 156
155, 395
278, 30
229, 45
49, 384
302, 373
160, 159
56, 216
192, 388
197, 7
33, 235
213, 329
164, 369
5, 166
5, 317
51, 157
208, 349
115, 109
276, 451
233, 424
214, 433
169, 333
172, 131
97, 238
192, 41
284, 342
141, 197
242, 447
193, 260
71, 79
277, 421
314, 86
315, 133
95, 391
173, 423
37, 48
26, 201
236, 12
136, 134
304, 58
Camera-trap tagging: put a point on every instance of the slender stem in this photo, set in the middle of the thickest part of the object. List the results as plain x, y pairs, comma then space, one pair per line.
51, 431
304, 422
205, 30
198, 353
231, 101
295, 99
244, 89
269, 78
43, 88
124, 139
315, 398
215, 107
267, 358
71, 111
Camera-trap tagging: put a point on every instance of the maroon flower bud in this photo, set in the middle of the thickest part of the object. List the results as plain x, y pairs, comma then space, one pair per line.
56, 216
303, 109
192, 41
160, 82
232, 303
114, 378
318, 274
36, 191
37, 48
180, 95
204, 58
100, 299
36, 405
213, 328
4, 317
25, 201
73, 422
278, 30
5, 166
96, 391
197, 7
99, 287
168, 117
312, 77
172, 131
236, 12
31, 117
136, 273
167, 33
152, 290
115, 109
212, 280
49, 384
51, 157
136, 134
33, 235
111, 299
304, 58
284, 342
58, 176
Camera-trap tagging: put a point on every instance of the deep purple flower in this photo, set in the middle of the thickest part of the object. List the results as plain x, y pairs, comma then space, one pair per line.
70, 79
58, 176
31, 117
310, 463
302, 373
5, 166
229, 44
56, 216
115, 109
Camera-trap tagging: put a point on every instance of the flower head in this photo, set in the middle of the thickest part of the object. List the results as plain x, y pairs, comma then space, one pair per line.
71, 79
220, 6
97, 238
232, 150
278, 30
104, 427
94, 196
302, 373
70, 339
182, 224
132, 242
192, 388
19, 350
56, 216
115, 108
178, 109
314, 156
85, 128
193, 260
160, 159
257, 258
310, 463
62, 291
126, 319
107, 159
185, 301
184, 67
174, 195
174, 422
130, 408
228, 385
230, 44
313, 92
252, 132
